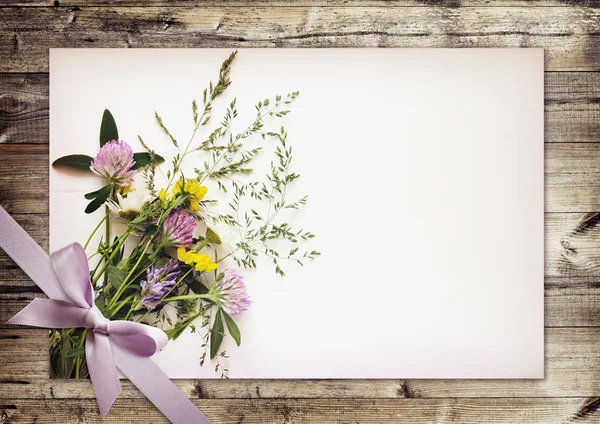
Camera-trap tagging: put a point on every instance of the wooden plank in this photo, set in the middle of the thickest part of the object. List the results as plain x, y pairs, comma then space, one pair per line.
572, 176
572, 269
23, 108
263, 411
570, 36
298, 3
572, 370
321, 411
572, 107
24, 177
572, 242
572, 172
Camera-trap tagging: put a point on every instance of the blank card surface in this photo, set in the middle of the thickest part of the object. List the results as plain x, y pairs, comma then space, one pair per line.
424, 170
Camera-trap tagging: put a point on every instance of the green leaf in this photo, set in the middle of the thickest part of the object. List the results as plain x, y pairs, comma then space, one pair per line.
175, 332
216, 334
72, 353
233, 329
79, 162
108, 128
196, 286
97, 193
99, 200
66, 363
151, 230
142, 159
115, 276
100, 302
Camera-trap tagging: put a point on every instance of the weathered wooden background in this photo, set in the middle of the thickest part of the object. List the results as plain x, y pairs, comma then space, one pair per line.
569, 31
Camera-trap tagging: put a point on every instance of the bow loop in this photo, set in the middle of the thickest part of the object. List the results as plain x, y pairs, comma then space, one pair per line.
71, 267
138, 339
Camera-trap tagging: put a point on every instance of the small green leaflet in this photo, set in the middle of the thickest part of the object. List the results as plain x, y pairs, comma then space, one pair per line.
100, 302
108, 128
79, 162
233, 328
96, 193
216, 335
115, 276
99, 197
151, 230
66, 363
72, 353
143, 159
175, 332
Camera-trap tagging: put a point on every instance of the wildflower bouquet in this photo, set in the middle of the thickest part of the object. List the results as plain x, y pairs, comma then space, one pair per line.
167, 264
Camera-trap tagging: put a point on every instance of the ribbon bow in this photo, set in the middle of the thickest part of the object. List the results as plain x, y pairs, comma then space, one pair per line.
65, 278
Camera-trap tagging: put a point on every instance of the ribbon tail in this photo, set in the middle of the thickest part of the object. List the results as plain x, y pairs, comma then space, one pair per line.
159, 389
30, 257
49, 313
103, 372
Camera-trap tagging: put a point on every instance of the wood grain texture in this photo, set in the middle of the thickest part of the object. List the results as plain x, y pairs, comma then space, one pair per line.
304, 3
569, 35
23, 108
278, 411
572, 105
572, 370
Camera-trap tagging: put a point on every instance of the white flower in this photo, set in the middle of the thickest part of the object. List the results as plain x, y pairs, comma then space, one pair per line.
228, 235
128, 207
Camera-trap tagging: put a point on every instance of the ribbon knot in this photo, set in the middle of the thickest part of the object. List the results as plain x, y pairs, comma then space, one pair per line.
96, 321
64, 276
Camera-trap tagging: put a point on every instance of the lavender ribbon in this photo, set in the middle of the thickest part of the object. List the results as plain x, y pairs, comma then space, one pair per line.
64, 277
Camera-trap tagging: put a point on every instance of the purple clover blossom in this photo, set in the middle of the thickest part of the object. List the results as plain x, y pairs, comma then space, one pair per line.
231, 293
158, 282
178, 229
114, 163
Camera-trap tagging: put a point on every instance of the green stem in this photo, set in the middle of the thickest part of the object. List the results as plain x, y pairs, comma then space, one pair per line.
124, 284
120, 305
129, 312
107, 241
202, 245
94, 232
207, 296
53, 337
119, 242
78, 359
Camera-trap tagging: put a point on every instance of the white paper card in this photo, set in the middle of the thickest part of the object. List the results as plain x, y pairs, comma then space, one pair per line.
425, 175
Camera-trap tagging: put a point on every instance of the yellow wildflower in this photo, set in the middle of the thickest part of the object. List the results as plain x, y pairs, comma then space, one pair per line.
203, 263
193, 189
125, 189
185, 256
200, 261
164, 196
